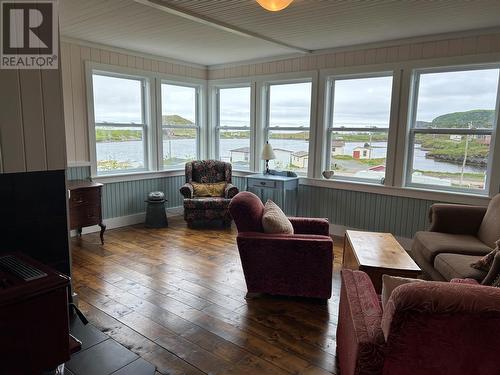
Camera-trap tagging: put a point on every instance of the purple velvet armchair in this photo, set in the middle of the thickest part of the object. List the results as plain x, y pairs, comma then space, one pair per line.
282, 264
425, 329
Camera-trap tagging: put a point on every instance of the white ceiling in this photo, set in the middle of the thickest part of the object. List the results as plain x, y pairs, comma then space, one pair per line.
309, 24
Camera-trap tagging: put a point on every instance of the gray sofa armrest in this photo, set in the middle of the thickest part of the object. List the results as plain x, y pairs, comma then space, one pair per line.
456, 218
187, 190
230, 191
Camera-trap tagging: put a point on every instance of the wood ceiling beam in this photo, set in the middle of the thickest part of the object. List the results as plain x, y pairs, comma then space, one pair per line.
195, 17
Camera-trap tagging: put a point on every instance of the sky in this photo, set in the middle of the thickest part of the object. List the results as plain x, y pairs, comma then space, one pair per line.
364, 101
441, 93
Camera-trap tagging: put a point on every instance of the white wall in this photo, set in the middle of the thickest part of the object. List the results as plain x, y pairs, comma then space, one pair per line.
380, 53
31, 121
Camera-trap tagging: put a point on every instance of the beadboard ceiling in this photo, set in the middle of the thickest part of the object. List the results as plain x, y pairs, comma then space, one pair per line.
308, 24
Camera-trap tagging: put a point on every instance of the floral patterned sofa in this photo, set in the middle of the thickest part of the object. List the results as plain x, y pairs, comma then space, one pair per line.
208, 209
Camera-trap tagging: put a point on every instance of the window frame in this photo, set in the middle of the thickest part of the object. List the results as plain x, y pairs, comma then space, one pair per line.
198, 121
266, 87
152, 117
329, 104
145, 125
216, 118
412, 131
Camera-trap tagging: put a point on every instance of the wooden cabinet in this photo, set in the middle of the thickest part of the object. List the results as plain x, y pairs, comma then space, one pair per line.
85, 205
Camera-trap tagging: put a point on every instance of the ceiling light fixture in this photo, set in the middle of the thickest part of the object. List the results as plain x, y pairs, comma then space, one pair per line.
274, 5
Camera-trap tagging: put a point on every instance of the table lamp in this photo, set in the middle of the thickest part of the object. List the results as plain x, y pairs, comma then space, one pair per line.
267, 154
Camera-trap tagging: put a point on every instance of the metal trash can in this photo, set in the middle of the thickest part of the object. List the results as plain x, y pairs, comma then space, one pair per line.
155, 211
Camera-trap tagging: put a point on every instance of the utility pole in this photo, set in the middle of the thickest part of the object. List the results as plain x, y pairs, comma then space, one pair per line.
465, 155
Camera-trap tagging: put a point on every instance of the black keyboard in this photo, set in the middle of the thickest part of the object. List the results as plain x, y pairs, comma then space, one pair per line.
13, 265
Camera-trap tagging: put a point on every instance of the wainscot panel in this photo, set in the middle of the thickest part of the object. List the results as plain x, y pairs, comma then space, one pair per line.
400, 216
127, 198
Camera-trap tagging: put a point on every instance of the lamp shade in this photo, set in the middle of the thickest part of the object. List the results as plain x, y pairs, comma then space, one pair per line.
268, 152
274, 5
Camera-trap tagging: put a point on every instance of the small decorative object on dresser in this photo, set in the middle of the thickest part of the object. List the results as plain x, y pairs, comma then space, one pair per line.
85, 205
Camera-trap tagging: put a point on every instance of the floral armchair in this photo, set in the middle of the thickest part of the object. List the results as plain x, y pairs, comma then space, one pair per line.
203, 209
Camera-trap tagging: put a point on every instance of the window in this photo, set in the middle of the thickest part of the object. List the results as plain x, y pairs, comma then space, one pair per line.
179, 124
359, 127
120, 123
451, 128
289, 117
233, 126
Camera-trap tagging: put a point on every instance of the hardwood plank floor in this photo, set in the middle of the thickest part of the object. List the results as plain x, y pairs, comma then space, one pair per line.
176, 297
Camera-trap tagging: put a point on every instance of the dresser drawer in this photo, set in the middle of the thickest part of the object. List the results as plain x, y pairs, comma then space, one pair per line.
83, 197
85, 216
262, 183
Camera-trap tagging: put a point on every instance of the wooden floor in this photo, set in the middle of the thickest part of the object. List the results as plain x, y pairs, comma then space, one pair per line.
175, 297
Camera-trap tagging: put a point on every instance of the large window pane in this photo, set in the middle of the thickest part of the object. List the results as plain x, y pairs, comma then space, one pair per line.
436, 160
291, 149
178, 105
445, 101
233, 126
119, 148
179, 147
234, 107
457, 99
117, 100
359, 155
179, 125
360, 103
234, 147
290, 105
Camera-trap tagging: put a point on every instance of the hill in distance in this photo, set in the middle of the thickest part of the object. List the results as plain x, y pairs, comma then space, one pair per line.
175, 120
480, 118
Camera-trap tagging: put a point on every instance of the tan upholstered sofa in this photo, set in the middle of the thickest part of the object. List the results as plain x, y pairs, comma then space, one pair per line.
459, 235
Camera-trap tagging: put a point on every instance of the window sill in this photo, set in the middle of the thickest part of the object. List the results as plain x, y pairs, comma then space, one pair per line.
408, 192
144, 175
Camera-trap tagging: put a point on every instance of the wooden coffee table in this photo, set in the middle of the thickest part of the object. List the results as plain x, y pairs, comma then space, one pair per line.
377, 254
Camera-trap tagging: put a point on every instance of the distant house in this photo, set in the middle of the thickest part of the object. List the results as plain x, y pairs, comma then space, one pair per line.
364, 152
484, 139
300, 159
338, 148
455, 138
283, 157
239, 155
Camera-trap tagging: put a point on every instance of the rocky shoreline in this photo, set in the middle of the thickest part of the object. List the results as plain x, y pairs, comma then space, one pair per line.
471, 160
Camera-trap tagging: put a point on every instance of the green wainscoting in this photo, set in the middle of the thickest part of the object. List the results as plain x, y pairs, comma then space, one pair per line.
127, 197
367, 211
400, 216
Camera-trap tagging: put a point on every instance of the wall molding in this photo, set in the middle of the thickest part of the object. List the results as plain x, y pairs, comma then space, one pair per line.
394, 191
125, 221
169, 60
358, 47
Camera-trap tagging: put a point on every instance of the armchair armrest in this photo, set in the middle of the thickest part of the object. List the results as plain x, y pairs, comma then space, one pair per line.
434, 297
455, 218
230, 191
360, 338
187, 190
306, 225
464, 281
